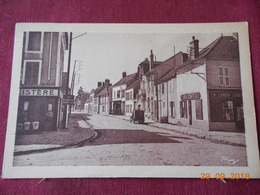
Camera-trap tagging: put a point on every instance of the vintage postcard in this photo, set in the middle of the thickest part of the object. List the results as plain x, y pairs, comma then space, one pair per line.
131, 100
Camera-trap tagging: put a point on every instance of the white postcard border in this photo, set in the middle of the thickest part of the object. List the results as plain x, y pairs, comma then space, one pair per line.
10, 171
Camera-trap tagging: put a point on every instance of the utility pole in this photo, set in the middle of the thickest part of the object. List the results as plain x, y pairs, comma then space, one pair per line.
68, 77
73, 81
157, 104
67, 84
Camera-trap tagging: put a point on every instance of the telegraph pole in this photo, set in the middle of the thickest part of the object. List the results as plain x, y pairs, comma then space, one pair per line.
67, 84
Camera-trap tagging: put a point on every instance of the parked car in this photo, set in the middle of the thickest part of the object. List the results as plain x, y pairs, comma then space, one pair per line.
137, 115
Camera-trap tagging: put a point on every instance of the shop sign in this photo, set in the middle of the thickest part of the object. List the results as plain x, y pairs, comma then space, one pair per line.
68, 97
219, 94
190, 96
39, 92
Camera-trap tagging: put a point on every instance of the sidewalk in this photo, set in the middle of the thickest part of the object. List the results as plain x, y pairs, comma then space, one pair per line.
231, 138
78, 131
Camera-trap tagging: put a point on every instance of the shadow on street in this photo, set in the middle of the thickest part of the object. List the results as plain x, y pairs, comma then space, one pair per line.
130, 136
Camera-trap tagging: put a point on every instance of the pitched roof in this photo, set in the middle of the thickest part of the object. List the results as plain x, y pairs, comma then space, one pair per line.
105, 90
224, 47
134, 85
168, 65
98, 90
126, 80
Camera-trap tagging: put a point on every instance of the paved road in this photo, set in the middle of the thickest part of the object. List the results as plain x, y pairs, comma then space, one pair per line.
120, 142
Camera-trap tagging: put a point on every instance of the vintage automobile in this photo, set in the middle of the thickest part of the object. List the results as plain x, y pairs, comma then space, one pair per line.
138, 115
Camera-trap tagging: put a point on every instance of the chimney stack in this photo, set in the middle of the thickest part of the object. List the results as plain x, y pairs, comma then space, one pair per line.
99, 84
107, 82
151, 60
194, 48
123, 74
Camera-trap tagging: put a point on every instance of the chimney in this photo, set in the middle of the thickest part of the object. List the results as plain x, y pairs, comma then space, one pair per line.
194, 48
123, 74
107, 82
99, 84
151, 60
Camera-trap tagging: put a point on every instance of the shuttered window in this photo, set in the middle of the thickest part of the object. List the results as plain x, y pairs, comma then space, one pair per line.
199, 111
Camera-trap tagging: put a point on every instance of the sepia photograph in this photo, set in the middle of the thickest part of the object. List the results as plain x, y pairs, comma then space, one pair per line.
156, 98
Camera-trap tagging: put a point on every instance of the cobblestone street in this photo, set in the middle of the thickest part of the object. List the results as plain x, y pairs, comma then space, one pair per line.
120, 142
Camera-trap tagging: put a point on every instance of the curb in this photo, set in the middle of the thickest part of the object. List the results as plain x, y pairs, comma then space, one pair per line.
78, 144
201, 136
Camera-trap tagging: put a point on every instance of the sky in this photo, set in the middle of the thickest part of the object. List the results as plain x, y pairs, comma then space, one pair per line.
101, 56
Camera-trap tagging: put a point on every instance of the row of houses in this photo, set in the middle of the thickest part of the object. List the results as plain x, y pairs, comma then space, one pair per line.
201, 89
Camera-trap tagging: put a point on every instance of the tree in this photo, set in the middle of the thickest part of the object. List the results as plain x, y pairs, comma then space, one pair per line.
81, 99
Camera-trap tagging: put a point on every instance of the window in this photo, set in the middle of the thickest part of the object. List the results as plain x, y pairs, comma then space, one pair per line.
31, 76
34, 41
122, 93
222, 110
163, 88
118, 94
131, 95
148, 104
114, 94
183, 109
223, 75
172, 107
226, 76
130, 108
199, 111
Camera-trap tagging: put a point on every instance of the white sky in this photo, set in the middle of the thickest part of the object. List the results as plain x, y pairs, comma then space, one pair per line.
106, 56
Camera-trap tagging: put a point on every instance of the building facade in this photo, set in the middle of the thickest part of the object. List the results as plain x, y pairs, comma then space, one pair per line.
209, 88
104, 98
131, 97
153, 94
118, 93
41, 93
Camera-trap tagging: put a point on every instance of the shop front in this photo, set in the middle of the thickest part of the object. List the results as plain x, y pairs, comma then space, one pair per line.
191, 111
226, 110
117, 107
39, 108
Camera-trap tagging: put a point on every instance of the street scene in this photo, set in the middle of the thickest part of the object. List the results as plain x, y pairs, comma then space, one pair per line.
111, 99
119, 142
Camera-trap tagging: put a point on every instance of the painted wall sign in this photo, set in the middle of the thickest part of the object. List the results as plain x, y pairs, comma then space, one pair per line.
224, 94
190, 96
39, 92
